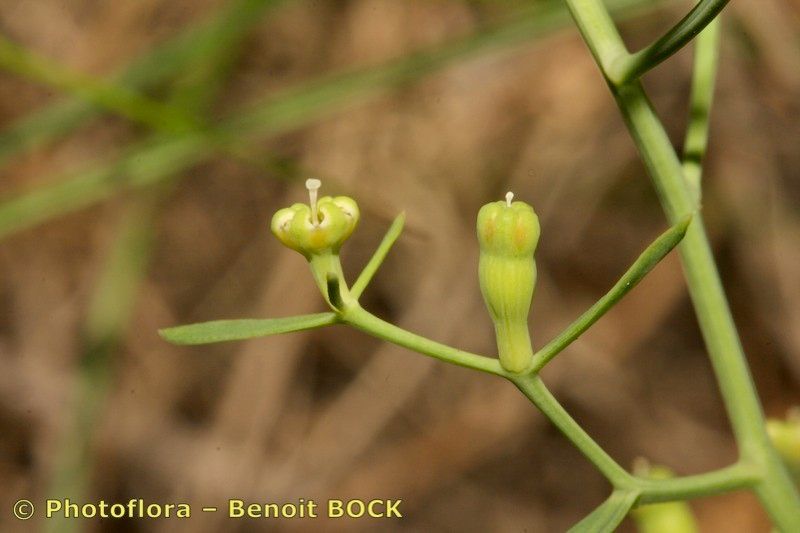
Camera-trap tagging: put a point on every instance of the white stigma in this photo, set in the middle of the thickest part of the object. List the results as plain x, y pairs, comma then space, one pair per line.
509, 197
313, 185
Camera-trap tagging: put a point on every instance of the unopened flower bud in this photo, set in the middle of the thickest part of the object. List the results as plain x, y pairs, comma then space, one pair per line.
508, 233
785, 436
669, 517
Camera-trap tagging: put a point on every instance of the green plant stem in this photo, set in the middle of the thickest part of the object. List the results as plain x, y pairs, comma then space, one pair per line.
776, 491
706, 60
629, 67
380, 254
728, 479
734, 477
533, 387
361, 319
640, 268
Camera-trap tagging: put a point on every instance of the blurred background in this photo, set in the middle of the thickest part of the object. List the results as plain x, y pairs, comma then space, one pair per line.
144, 145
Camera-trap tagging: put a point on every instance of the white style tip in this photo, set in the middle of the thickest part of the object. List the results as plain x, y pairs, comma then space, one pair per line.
509, 198
313, 185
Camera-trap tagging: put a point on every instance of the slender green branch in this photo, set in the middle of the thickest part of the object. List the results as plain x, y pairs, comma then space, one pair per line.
706, 59
369, 323
106, 324
631, 67
776, 491
640, 268
247, 328
158, 158
533, 387
735, 477
377, 258
216, 51
179, 54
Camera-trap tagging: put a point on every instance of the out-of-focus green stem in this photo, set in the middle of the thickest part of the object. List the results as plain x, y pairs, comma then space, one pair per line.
533, 387
361, 319
125, 102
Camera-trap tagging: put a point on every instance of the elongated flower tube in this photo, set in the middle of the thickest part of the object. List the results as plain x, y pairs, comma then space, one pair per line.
317, 230
508, 233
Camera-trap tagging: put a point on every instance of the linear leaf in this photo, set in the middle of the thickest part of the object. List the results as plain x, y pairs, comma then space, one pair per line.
233, 330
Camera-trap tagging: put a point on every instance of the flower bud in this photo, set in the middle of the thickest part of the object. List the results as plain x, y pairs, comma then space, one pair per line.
508, 233
669, 517
785, 436
318, 228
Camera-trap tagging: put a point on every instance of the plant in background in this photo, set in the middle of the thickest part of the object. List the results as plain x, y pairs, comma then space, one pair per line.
508, 233
184, 133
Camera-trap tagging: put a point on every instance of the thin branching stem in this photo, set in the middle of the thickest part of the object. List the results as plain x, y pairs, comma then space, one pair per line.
377, 258
706, 59
629, 67
533, 387
361, 319
738, 476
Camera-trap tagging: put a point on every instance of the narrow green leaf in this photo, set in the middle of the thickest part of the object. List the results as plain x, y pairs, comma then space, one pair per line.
608, 515
633, 66
640, 268
233, 330
380, 254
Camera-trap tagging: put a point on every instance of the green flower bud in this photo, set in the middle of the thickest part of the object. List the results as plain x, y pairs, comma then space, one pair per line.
508, 233
318, 228
670, 517
317, 231
785, 436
